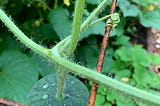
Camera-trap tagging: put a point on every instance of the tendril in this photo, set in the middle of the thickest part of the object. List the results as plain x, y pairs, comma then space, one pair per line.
113, 20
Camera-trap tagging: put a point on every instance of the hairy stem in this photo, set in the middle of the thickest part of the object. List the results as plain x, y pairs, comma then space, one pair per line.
76, 25
107, 82
84, 25
60, 84
93, 14
72, 45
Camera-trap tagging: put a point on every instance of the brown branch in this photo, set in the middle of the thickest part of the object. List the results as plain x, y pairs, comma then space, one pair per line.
94, 87
4, 102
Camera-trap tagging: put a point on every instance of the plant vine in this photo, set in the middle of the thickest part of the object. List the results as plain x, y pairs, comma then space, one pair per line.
53, 55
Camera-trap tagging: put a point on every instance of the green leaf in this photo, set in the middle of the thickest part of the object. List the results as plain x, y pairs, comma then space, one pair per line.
102, 90
136, 55
108, 61
155, 59
17, 75
124, 102
118, 65
63, 25
45, 66
89, 55
107, 104
141, 56
44, 91
100, 99
110, 95
121, 40
46, 32
16, 6
146, 2
150, 19
124, 53
123, 73
128, 9
8, 43
39, 32
141, 2
3, 2
145, 78
60, 21
120, 99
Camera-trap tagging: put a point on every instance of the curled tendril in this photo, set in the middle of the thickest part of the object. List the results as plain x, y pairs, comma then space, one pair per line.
113, 20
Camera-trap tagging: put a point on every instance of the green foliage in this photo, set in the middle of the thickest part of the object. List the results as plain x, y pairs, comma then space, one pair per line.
146, 3
43, 64
48, 26
88, 54
140, 56
128, 9
44, 91
150, 19
132, 63
60, 22
15, 85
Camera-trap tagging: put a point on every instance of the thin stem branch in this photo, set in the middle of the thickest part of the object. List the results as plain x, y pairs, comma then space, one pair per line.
79, 7
56, 4
107, 82
93, 14
94, 87
98, 20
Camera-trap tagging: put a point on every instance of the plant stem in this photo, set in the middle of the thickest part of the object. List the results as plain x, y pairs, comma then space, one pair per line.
84, 25
107, 82
73, 43
93, 14
76, 25
55, 3
98, 20
60, 84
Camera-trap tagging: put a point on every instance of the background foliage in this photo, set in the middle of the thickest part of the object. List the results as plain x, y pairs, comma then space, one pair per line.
47, 22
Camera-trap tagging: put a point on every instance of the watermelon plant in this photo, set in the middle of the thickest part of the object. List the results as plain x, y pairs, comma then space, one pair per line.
62, 89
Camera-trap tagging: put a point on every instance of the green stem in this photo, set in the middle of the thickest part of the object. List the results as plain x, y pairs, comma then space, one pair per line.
55, 4
60, 84
73, 43
85, 24
107, 82
76, 25
93, 14
98, 20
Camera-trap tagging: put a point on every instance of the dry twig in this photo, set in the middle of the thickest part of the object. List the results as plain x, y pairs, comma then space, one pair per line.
94, 87
5, 102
